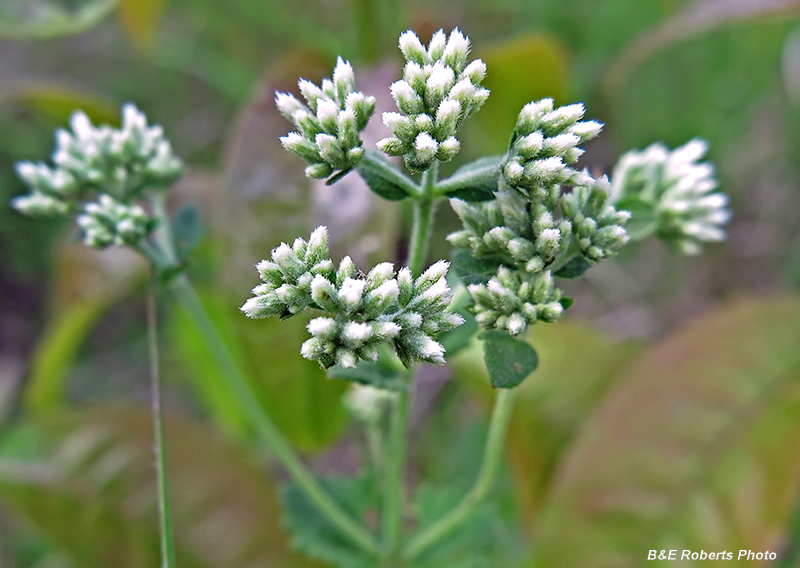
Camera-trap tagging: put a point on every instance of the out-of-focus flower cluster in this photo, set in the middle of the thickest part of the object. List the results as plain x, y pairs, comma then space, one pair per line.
680, 191
328, 127
364, 311
439, 89
115, 165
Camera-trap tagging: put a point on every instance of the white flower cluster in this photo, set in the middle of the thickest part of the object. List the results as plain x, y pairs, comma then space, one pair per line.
680, 190
382, 307
511, 303
110, 222
118, 164
597, 227
546, 140
438, 91
328, 128
512, 231
532, 232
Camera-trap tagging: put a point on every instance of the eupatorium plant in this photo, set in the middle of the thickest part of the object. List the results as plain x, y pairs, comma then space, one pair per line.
529, 218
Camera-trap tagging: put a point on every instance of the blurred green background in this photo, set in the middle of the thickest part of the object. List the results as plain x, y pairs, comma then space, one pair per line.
666, 411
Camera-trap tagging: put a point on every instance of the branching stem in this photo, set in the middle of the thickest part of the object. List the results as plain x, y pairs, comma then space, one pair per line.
492, 457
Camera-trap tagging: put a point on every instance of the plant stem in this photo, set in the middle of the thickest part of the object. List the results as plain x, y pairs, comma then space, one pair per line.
164, 514
393, 484
423, 215
243, 392
264, 426
492, 456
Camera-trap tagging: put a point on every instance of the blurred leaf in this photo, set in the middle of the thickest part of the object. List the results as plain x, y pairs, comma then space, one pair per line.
313, 534
643, 221
697, 18
56, 351
523, 69
304, 404
139, 19
697, 447
553, 403
58, 102
476, 181
381, 375
93, 497
40, 19
484, 540
508, 359
187, 229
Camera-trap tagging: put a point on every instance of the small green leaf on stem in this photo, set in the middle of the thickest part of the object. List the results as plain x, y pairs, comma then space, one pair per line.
382, 177
476, 181
473, 270
574, 268
508, 360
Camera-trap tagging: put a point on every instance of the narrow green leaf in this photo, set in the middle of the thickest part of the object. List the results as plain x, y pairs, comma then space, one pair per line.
643, 221
382, 177
508, 360
476, 181
57, 351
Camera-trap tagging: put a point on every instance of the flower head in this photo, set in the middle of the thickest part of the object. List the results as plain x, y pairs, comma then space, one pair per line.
328, 126
679, 190
439, 89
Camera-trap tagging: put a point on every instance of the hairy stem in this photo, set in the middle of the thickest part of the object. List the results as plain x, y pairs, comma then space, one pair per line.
393, 483
492, 456
264, 426
423, 217
164, 514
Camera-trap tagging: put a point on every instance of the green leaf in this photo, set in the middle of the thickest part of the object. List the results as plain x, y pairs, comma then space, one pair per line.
91, 495
508, 360
574, 268
314, 535
40, 19
187, 229
484, 540
566, 303
381, 176
476, 181
643, 221
697, 443
381, 375
473, 270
